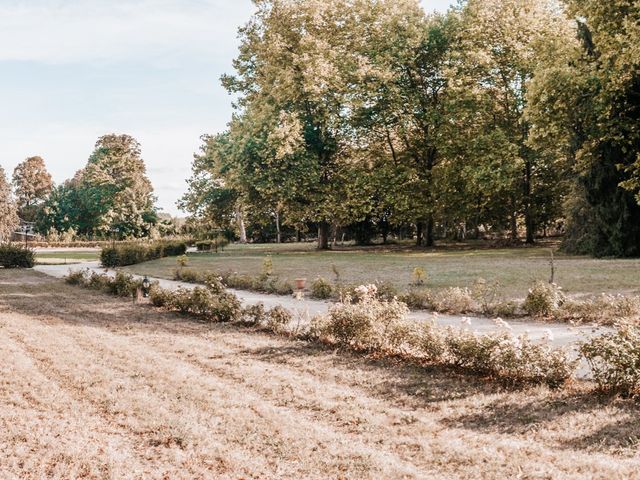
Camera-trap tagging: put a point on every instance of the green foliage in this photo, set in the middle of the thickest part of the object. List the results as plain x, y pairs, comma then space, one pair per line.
614, 359
543, 299
16, 256
122, 284
122, 255
321, 289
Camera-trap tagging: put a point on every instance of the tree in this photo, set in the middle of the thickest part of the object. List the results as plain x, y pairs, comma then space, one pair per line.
32, 184
8, 211
588, 102
293, 75
501, 45
115, 188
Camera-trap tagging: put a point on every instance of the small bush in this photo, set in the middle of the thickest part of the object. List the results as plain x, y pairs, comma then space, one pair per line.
200, 302
455, 301
604, 310
362, 323
78, 277
278, 318
421, 299
321, 289
386, 290
614, 359
543, 299
16, 256
255, 314
187, 275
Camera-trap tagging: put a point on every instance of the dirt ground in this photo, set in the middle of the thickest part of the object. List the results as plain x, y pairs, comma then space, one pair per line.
96, 387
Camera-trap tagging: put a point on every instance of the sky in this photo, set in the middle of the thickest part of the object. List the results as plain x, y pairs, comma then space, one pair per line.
71, 71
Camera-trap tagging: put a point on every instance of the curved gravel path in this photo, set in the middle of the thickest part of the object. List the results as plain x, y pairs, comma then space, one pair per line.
562, 334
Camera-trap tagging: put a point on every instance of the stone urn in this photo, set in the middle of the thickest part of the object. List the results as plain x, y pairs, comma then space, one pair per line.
301, 283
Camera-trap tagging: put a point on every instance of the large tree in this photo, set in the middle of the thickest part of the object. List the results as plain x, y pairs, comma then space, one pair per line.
8, 211
116, 182
32, 185
586, 102
501, 44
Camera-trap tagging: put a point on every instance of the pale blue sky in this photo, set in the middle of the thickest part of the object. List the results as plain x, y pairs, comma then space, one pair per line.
71, 71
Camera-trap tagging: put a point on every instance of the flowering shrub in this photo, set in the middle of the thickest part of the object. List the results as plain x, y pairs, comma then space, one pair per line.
604, 310
614, 359
122, 284
255, 314
455, 300
422, 299
278, 318
362, 322
321, 289
543, 299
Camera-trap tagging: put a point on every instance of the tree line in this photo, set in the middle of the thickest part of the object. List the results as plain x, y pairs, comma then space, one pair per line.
499, 118
111, 197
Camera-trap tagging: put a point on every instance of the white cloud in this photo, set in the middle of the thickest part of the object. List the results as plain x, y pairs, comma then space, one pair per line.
157, 31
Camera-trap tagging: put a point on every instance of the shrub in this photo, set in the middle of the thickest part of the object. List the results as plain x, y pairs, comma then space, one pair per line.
455, 301
16, 256
604, 310
363, 324
488, 295
78, 277
614, 359
216, 244
421, 299
200, 302
321, 289
255, 314
386, 290
278, 318
418, 277
187, 275
543, 299
159, 297
513, 360
125, 254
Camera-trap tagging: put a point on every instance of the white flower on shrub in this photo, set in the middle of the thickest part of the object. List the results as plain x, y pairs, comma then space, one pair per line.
548, 335
502, 324
466, 321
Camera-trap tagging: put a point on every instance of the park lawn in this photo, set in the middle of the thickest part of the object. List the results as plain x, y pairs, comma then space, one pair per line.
516, 269
98, 387
60, 257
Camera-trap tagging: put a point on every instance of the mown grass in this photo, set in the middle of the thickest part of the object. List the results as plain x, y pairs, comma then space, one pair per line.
60, 257
97, 387
515, 268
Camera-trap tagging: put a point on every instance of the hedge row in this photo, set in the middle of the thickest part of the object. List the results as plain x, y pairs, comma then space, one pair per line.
133, 253
16, 256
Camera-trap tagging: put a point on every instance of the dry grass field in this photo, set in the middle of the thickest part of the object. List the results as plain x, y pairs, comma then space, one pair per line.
96, 387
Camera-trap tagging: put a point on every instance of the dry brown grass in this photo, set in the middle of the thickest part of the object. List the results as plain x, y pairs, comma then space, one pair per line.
95, 387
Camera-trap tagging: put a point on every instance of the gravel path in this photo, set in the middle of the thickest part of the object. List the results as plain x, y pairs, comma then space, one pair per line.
562, 334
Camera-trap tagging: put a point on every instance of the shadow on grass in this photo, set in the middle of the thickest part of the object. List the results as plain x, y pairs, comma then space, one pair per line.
487, 407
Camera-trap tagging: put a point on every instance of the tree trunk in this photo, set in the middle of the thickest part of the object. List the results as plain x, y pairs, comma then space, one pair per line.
241, 226
323, 236
278, 232
419, 233
514, 221
429, 238
528, 216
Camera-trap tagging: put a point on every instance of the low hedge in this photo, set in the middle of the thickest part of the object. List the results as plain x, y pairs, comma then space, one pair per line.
16, 256
212, 245
133, 253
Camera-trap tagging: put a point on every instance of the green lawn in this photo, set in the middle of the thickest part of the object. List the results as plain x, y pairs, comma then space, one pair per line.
51, 258
516, 269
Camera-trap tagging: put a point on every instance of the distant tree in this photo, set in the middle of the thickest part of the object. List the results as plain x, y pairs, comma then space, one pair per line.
8, 211
32, 185
114, 186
